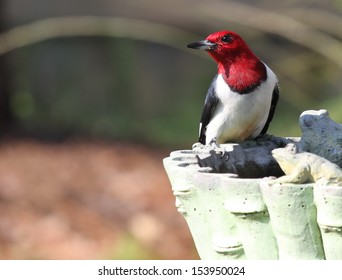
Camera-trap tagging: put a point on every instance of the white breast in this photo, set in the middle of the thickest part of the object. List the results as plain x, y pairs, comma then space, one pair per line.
240, 116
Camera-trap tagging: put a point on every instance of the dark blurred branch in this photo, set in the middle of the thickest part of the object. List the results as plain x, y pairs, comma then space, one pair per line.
261, 19
94, 26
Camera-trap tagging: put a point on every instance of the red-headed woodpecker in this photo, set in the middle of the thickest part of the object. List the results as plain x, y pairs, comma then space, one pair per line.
242, 98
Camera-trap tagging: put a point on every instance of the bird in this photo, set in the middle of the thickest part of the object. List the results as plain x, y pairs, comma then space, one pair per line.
242, 97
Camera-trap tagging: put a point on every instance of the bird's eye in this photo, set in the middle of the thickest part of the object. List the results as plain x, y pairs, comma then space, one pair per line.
227, 38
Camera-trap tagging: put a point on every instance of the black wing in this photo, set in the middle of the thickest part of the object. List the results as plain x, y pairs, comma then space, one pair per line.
210, 104
275, 98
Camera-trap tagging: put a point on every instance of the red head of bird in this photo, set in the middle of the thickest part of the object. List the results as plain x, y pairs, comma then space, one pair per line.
240, 67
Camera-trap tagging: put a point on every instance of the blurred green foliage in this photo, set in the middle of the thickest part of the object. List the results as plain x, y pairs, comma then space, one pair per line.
128, 248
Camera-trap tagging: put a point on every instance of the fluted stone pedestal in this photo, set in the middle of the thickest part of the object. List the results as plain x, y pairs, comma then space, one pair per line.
236, 208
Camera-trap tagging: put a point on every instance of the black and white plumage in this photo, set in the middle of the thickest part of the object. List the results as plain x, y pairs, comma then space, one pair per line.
242, 97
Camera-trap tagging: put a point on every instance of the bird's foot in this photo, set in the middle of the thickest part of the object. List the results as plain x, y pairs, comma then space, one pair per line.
211, 147
214, 146
213, 143
197, 146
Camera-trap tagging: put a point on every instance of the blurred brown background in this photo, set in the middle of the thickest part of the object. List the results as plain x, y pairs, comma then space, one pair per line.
94, 94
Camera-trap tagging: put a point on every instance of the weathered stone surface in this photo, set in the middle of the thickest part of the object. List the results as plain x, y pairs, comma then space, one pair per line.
235, 218
321, 135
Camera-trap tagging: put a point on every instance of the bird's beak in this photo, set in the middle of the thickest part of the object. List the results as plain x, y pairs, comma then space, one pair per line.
203, 45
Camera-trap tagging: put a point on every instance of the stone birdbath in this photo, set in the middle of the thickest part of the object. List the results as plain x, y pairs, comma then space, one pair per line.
270, 198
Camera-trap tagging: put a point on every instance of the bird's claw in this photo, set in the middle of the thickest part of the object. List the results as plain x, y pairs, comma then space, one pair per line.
216, 147
212, 147
197, 146
213, 143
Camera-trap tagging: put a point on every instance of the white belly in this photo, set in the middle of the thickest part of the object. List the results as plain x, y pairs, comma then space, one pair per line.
240, 116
